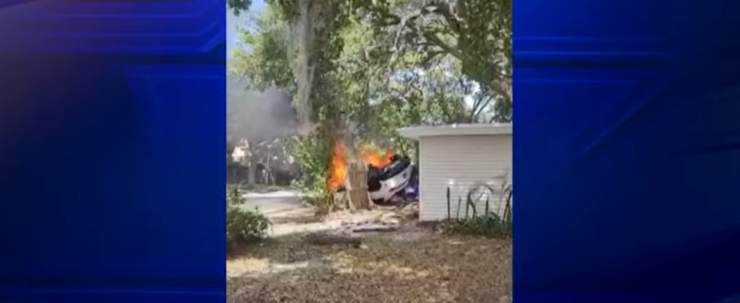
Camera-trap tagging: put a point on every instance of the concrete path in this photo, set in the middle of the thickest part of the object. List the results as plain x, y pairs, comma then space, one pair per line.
286, 210
275, 203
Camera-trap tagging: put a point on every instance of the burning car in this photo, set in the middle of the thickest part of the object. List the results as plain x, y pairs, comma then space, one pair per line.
397, 181
389, 177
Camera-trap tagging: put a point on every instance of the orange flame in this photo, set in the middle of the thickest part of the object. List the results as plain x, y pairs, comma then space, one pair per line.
338, 169
375, 158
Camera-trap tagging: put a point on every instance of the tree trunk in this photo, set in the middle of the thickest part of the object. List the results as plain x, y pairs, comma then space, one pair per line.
252, 169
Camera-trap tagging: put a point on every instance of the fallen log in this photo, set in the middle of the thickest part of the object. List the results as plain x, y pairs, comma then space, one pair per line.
332, 239
374, 228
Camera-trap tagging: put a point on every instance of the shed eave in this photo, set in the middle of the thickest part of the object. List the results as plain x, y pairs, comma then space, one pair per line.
417, 132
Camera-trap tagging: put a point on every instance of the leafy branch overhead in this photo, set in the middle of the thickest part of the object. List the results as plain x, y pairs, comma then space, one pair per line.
401, 52
475, 32
239, 5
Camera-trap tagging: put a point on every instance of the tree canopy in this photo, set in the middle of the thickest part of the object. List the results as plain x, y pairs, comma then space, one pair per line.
436, 61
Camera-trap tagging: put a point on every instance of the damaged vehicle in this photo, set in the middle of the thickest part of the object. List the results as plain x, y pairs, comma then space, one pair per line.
395, 182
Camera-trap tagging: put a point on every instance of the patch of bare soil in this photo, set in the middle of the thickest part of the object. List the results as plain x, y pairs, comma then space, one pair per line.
408, 264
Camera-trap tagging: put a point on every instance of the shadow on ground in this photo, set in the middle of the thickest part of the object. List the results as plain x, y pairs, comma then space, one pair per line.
410, 264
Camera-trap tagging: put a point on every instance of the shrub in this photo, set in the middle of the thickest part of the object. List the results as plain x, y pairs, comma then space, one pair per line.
245, 225
235, 196
313, 156
490, 225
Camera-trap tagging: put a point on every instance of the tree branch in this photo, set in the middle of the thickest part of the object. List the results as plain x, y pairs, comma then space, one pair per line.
480, 108
444, 46
443, 9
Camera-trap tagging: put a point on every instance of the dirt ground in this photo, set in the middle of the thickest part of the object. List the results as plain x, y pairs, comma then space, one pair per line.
409, 264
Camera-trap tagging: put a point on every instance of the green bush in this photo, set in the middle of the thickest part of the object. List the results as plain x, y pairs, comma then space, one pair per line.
235, 196
245, 225
313, 155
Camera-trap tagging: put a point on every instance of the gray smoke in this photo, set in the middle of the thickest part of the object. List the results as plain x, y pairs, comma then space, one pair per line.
257, 116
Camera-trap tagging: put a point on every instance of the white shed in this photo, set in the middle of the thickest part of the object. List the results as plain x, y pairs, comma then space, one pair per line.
458, 156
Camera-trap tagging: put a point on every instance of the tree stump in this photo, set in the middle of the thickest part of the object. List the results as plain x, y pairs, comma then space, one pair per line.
357, 187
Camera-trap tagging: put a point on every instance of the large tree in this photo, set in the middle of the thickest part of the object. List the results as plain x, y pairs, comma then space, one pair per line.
370, 67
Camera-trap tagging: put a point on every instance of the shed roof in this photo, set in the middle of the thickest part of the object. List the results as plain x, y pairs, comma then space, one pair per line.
416, 132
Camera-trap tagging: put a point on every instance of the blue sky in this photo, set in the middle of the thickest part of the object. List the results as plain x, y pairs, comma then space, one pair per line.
233, 23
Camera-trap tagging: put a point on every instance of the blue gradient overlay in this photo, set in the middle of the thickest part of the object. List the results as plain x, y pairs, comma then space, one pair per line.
112, 144
627, 151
